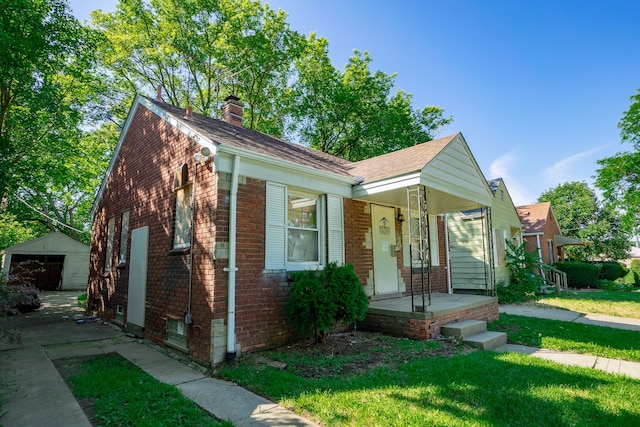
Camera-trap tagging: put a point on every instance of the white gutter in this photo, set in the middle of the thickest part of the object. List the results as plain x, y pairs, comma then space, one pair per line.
231, 269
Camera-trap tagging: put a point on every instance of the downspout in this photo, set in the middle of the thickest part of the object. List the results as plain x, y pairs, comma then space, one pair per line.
188, 319
231, 269
447, 257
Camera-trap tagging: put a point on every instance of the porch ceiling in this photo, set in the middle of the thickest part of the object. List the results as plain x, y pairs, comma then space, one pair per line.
394, 193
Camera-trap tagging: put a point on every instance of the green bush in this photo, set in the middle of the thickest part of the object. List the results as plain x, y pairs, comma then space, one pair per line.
319, 299
524, 273
580, 274
609, 285
632, 278
611, 270
635, 265
82, 300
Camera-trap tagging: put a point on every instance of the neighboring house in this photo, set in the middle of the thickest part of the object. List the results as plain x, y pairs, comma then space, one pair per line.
470, 252
199, 223
542, 233
62, 262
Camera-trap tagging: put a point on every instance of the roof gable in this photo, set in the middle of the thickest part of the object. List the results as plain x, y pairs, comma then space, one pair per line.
52, 242
534, 217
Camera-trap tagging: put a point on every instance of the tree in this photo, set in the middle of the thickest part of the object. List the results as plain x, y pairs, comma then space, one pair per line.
197, 50
580, 214
352, 114
619, 175
48, 88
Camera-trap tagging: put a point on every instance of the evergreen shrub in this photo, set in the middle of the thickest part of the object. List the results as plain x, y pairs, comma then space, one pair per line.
580, 274
321, 298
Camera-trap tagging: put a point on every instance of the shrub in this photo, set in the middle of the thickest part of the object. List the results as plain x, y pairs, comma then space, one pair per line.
319, 299
82, 300
609, 285
611, 270
635, 265
632, 278
17, 293
525, 281
579, 274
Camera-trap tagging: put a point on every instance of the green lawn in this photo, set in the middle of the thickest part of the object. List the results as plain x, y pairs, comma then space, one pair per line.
482, 388
568, 336
623, 304
124, 395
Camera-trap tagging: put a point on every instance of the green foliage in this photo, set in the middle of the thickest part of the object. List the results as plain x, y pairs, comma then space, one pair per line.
581, 215
580, 274
610, 285
617, 177
633, 276
319, 299
524, 272
82, 300
51, 92
12, 231
611, 270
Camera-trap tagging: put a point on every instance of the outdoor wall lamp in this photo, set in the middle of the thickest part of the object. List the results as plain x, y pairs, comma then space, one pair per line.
203, 156
400, 217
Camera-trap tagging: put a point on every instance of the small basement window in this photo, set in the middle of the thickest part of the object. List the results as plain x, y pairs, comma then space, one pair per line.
177, 333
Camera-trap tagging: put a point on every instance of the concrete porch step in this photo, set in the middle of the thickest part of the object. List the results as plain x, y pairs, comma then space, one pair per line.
464, 328
474, 333
487, 340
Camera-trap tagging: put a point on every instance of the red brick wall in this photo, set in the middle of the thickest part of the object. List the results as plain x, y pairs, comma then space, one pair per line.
357, 223
142, 181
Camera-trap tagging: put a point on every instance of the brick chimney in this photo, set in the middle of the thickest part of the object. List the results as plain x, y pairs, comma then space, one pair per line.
232, 111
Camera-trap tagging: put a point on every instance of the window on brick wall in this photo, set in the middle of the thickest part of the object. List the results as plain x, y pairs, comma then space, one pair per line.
108, 253
298, 235
124, 235
177, 333
183, 190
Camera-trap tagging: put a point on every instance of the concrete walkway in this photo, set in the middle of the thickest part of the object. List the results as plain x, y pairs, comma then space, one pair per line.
631, 369
34, 394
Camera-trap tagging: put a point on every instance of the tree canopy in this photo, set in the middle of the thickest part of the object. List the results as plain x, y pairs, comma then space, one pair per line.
580, 214
619, 176
199, 51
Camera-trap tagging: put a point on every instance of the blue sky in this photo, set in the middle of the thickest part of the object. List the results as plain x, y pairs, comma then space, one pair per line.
536, 87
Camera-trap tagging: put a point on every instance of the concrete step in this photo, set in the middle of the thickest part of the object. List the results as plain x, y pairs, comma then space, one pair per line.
487, 340
464, 328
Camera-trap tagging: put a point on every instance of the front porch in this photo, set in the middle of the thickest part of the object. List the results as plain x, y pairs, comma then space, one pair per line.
395, 316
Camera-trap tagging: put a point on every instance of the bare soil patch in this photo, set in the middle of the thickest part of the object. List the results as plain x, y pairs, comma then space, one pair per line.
356, 352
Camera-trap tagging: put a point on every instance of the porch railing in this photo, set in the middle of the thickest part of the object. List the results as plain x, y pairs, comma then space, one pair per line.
557, 278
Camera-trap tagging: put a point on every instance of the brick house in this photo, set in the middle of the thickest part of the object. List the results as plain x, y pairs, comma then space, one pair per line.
199, 221
542, 233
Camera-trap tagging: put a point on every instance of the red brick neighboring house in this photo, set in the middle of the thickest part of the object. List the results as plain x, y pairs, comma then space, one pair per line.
199, 222
542, 233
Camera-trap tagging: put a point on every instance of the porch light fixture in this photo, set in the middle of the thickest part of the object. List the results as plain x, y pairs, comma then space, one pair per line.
203, 156
400, 217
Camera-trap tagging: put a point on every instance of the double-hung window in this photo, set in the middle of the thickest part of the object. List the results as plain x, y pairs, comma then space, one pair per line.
183, 189
302, 229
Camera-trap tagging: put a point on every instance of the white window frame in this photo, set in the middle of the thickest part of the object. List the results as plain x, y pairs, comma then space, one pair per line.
330, 230
111, 228
319, 230
124, 235
184, 198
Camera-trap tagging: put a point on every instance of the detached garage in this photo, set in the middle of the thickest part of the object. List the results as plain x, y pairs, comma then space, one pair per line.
63, 260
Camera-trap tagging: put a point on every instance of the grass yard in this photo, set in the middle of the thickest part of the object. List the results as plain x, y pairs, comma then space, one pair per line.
568, 336
477, 388
623, 304
114, 392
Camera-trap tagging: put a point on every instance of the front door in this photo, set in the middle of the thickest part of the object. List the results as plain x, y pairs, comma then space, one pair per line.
385, 265
138, 277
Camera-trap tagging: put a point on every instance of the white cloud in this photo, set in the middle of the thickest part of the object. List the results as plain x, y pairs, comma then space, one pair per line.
577, 167
502, 167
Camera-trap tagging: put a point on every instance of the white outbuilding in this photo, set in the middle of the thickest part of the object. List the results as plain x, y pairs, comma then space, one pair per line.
62, 261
